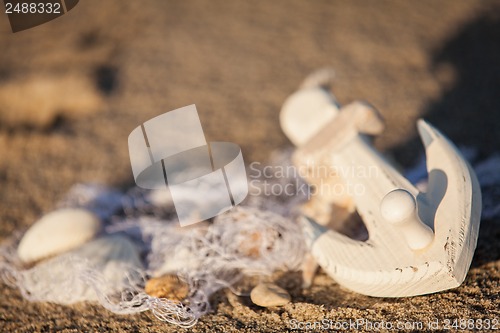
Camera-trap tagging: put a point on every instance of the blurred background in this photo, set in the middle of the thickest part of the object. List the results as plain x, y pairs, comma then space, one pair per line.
72, 90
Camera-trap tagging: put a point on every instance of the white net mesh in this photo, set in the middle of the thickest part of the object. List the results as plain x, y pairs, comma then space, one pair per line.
142, 239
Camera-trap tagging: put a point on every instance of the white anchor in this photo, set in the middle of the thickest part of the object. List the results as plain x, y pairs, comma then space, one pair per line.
419, 242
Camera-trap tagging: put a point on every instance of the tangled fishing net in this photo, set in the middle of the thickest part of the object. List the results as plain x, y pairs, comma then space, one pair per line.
142, 239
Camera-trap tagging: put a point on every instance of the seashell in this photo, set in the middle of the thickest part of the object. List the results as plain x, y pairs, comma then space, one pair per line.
269, 294
112, 255
101, 268
57, 232
167, 286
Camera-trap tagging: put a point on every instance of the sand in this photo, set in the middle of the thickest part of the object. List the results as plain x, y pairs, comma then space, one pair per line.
238, 61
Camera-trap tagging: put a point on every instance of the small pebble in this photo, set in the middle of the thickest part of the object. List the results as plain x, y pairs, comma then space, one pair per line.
268, 295
57, 232
167, 286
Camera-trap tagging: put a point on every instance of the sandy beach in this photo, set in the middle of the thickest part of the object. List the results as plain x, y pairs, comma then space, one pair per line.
108, 66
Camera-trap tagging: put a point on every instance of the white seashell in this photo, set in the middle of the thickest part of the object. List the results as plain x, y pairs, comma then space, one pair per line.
111, 254
57, 232
269, 294
102, 267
